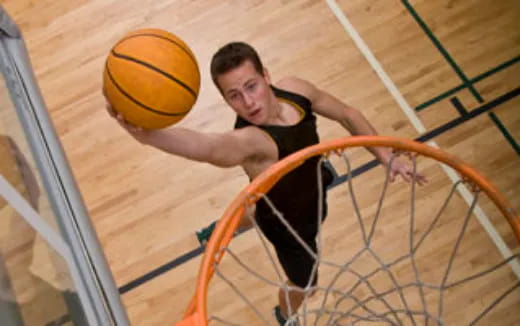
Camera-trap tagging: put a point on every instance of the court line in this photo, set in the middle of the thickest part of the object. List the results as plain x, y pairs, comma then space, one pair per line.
417, 124
474, 80
443, 51
504, 131
472, 114
496, 120
459, 106
161, 270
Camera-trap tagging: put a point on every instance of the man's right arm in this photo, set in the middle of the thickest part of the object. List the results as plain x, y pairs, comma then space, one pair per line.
228, 149
221, 149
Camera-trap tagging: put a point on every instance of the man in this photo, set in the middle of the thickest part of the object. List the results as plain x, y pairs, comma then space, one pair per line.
272, 122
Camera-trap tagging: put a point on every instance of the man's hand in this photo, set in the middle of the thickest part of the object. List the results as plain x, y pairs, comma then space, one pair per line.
140, 134
400, 168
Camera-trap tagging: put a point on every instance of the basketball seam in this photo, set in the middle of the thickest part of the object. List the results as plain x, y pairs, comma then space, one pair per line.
122, 91
164, 73
163, 38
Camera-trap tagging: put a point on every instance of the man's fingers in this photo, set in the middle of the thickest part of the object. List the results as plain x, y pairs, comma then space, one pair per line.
122, 121
422, 179
419, 178
406, 175
110, 110
392, 175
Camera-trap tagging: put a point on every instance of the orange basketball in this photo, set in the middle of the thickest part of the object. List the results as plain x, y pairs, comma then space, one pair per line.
152, 78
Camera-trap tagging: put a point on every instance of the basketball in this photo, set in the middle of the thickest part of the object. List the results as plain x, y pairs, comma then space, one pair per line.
152, 78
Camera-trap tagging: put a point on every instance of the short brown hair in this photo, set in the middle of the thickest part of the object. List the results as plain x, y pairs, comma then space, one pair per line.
231, 56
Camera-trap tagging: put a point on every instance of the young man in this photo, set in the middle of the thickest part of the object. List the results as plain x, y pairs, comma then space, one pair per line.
272, 122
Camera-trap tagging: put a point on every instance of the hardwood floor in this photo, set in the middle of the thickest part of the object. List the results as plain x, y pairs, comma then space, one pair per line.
146, 205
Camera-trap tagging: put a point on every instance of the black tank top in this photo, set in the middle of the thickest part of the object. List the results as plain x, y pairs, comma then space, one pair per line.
290, 139
296, 194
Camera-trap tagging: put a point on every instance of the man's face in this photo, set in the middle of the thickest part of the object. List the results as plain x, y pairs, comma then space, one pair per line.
247, 92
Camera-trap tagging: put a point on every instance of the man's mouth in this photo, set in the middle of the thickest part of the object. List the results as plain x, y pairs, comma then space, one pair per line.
254, 113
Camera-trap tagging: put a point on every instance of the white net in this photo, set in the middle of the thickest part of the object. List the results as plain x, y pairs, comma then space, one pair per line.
387, 254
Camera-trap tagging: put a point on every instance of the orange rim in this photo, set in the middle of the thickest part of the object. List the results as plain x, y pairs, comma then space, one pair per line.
196, 313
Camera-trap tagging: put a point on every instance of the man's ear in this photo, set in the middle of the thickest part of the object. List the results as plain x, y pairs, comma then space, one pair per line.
267, 76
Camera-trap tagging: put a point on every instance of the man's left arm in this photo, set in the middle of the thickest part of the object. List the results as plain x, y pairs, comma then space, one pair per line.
353, 121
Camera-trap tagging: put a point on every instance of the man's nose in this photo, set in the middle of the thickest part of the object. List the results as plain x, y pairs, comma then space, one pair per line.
248, 100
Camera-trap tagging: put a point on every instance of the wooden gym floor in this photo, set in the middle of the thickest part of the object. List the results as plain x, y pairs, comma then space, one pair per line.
455, 63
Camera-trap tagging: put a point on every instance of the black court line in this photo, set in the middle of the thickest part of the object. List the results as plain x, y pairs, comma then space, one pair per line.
339, 180
504, 132
510, 139
474, 113
161, 270
459, 106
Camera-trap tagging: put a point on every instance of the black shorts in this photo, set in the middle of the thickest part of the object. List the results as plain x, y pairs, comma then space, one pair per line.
296, 196
298, 264
295, 260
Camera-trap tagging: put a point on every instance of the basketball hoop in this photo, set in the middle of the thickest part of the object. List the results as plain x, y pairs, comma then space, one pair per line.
361, 301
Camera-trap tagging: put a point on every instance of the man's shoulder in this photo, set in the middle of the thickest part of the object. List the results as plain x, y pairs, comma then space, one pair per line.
257, 142
290, 82
296, 85
251, 135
